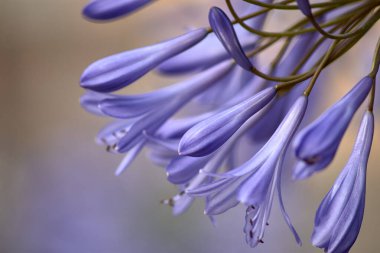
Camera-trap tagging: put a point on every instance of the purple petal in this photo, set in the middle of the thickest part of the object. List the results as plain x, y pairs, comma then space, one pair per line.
125, 107
111, 9
153, 120
183, 168
90, 101
149, 123
339, 217
282, 206
119, 70
182, 204
304, 170
203, 55
209, 188
321, 138
223, 199
175, 128
129, 158
224, 30
170, 144
254, 190
112, 132
207, 136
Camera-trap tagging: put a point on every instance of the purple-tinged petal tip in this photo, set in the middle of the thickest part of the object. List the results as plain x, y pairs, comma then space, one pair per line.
117, 71
224, 30
103, 10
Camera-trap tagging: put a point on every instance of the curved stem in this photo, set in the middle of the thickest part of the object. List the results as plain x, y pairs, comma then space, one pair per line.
354, 21
376, 61
372, 99
295, 7
301, 22
318, 27
320, 68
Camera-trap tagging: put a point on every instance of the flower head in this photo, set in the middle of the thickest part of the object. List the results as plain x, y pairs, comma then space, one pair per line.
244, 109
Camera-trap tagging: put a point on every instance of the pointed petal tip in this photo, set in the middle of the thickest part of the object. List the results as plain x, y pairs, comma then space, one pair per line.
103, 10
224, 30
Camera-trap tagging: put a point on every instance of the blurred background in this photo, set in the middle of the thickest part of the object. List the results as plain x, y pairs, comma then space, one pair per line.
58, 192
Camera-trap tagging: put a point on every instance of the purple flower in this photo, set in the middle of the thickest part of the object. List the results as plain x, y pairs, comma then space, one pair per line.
317, 144
254, 182
339, 217
111, 9
207, 136
232, 149
119, 70
225, 32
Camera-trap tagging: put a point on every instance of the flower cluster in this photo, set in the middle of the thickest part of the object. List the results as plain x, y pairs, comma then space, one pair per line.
240, 99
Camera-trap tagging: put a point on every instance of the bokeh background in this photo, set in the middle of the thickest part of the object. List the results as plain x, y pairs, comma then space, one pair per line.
58, 192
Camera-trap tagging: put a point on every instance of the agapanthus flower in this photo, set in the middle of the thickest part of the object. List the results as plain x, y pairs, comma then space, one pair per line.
225, 32
210, 134
111, 9
117, 71
317, 143
339, 217
233, 93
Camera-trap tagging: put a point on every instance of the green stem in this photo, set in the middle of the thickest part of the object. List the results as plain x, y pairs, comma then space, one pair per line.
295, 7
376, 61
304, 21
372, 20
372, 99
320, 68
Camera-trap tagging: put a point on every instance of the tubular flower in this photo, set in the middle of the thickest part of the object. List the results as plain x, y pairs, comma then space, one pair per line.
119, 70
339, 217
225, 32
222, 132
208, 135
111, 9
317, 144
